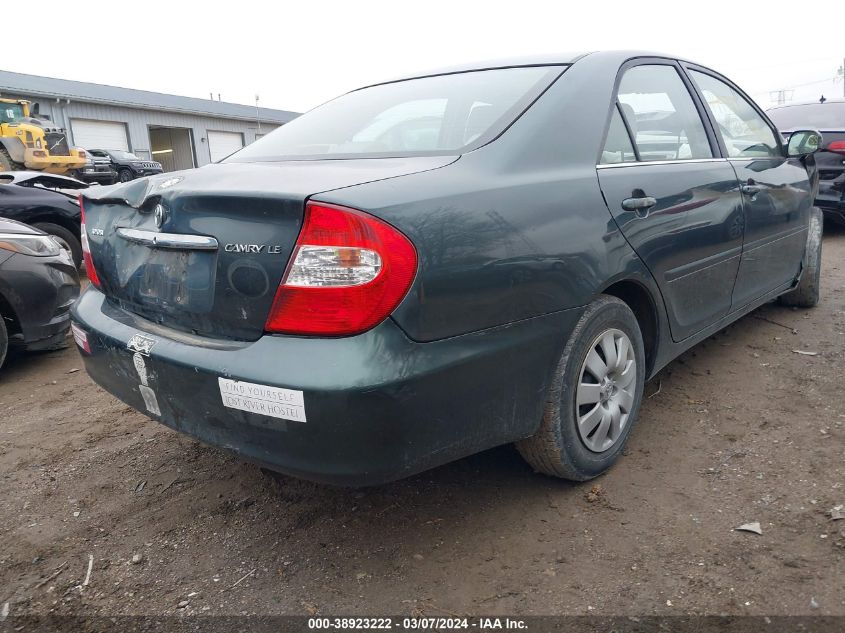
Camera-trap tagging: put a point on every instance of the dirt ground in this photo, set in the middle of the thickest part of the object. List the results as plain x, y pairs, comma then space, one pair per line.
740, 429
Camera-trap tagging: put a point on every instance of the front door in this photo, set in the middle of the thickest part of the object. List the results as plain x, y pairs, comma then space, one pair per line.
775, 190
675, 201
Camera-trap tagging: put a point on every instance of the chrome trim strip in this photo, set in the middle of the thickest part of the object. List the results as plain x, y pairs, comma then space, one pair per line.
662, 162
175, 241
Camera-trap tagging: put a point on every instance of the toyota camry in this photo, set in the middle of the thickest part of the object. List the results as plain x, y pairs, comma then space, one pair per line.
432, 266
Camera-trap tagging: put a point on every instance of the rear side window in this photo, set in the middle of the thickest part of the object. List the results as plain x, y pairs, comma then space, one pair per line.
662, 115
617, 147
432, 115
744, 132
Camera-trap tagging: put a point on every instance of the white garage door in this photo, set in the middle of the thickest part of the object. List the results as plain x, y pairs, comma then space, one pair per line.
99, 134
221, 144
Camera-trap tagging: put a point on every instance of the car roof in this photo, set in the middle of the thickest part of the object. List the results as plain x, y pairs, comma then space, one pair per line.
547, 59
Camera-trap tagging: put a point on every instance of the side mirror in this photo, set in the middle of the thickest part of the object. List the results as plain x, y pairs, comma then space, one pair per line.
803, 143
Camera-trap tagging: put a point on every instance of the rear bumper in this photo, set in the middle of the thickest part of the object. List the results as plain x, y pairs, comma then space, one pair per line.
378, 406
40, 291
107, 177
146, 172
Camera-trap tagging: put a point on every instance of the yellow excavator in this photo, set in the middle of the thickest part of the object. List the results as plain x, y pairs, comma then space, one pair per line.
28, 141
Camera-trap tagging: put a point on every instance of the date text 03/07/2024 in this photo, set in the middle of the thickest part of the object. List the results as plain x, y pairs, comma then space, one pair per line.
417, 623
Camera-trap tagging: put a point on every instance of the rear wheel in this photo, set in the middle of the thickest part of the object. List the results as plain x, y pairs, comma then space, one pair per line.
4, 341
67, 240
594, 397
806, 294
6, 162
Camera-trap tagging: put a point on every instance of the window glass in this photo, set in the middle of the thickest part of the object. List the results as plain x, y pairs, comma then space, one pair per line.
10, 112
412, 125
745, 133
444, 114
617, 147
662, 115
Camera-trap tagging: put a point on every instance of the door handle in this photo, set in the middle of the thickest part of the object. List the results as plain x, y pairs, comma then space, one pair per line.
751, 190
639, 205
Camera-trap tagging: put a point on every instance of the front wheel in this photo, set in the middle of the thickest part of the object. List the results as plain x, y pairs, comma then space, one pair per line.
595, 395
808, 291
125, 175
6, 162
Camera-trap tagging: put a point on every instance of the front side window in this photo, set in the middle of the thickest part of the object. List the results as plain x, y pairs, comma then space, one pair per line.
744, 132
442, 114
10, 112
662, 115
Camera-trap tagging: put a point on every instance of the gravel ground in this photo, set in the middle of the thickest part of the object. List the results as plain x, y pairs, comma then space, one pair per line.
740, 429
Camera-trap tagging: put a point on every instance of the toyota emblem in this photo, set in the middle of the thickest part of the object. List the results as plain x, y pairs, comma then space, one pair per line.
159, 215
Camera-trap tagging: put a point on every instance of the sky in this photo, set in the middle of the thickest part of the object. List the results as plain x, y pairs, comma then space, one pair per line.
298, 55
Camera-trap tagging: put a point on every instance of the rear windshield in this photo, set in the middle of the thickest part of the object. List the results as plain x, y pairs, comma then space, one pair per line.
820, 116
444, 114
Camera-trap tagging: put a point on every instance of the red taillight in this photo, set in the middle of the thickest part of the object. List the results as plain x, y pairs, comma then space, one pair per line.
836, 146
348, 272
86, 250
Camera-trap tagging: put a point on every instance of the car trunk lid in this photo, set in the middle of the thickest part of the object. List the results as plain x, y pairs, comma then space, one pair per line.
203, 251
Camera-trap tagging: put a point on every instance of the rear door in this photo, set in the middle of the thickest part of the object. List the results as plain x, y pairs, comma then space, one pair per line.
675, 200
776, 190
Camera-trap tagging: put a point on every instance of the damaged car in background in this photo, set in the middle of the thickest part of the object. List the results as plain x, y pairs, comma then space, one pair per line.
429, 267
38, 284
47, 202
828, 117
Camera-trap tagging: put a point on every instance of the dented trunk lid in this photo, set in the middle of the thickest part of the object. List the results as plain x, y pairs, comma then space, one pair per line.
203, 251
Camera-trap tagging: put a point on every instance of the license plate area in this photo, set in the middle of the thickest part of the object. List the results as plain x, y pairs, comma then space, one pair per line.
167, 279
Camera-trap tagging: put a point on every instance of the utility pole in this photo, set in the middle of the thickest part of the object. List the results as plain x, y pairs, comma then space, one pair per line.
841, 73
257, 114
781, 96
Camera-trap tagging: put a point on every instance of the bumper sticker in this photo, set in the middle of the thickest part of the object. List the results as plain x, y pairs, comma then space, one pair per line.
150, 400
287, 404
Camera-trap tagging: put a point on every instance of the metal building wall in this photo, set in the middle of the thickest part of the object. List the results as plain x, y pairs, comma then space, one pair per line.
137, 121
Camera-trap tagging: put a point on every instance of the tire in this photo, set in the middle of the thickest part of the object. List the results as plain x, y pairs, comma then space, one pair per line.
125, 175
6, 162
558, 448
4, 341
806, 294
68, 240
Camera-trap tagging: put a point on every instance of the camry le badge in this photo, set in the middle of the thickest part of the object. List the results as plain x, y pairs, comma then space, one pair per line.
272, 249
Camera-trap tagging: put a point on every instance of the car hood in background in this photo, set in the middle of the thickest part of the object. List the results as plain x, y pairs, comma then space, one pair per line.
13, 226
